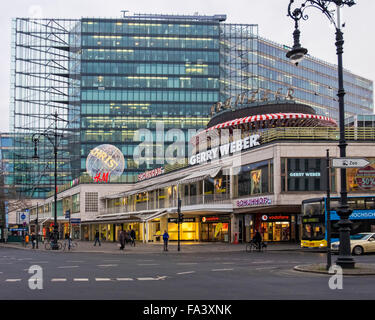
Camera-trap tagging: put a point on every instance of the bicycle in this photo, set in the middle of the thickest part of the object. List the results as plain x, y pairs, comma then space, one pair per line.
48, 245
73, 245
252, 246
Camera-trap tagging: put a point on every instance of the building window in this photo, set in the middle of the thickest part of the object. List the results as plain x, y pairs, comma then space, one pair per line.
305, 174
253, 179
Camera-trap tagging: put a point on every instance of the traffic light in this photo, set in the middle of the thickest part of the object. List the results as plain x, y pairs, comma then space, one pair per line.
180, 215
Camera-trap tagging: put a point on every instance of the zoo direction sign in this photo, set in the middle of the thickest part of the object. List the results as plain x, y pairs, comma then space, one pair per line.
349, 163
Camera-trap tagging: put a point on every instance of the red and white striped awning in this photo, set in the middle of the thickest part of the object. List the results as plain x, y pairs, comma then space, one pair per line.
321, 120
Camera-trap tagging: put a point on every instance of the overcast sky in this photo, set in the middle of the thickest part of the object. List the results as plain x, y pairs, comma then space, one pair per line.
271, 16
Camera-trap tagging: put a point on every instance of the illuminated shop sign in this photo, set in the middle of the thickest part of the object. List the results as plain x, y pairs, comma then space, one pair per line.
150, 173
259, 201
304, 174
226, 149
105, 160
244, 98
183, 220
214, 219
266, 217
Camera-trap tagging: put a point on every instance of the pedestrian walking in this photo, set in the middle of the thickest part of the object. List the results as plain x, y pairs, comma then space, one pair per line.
97, 238
33, 239
165, 239
132, 236
122, 240
27, 239
68, 239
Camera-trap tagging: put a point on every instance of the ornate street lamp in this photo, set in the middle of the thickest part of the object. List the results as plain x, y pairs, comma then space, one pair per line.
52, 137
297, 53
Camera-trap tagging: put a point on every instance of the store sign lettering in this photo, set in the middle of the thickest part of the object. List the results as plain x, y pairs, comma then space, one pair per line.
225, 150
253, 202
304, 174
150, 174
242, 99
277, 217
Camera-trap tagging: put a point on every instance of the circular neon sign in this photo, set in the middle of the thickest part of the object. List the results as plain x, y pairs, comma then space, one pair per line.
105, 159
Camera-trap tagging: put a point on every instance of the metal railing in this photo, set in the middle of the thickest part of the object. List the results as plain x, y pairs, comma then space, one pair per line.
171, 203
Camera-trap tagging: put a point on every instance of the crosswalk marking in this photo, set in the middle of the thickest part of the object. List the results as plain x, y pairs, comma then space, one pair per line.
12, 280
124, 279
222, 269
107, 265
102, 279
186, 272
58, 280
80, 279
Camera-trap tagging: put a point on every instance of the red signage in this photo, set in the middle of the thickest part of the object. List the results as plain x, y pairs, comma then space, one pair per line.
208, 219
150, 174
274, 217
365, 178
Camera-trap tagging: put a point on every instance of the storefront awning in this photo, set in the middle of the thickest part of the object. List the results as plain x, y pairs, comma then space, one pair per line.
200, 175
151, 216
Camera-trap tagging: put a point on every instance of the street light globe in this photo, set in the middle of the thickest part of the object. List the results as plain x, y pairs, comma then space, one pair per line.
296, 55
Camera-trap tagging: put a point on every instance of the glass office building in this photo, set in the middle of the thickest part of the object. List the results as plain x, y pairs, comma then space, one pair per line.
108, 78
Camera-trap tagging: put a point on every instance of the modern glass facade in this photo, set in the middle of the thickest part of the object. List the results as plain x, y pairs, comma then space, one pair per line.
137, 72
314, 81
112, 77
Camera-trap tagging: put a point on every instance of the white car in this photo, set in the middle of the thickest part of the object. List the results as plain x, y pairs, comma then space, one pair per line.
360, 243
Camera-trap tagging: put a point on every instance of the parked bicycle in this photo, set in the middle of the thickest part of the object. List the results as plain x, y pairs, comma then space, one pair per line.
253, 246
73, 245
48, 245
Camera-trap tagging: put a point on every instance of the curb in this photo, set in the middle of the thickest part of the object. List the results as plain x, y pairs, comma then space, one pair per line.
360, 270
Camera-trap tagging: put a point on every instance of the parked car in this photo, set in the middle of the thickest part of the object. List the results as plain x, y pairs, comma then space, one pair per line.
360, 243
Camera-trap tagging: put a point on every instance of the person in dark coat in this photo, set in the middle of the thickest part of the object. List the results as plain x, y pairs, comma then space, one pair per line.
165, 239
97, 238
257, 239
122, 240
33, 239
132, 237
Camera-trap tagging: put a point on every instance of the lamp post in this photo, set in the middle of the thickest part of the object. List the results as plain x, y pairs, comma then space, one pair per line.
52, 138
297, 53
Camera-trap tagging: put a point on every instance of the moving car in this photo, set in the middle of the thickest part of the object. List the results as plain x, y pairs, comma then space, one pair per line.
359, 243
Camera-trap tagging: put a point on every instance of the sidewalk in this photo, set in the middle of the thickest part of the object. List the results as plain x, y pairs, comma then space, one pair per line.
141, 248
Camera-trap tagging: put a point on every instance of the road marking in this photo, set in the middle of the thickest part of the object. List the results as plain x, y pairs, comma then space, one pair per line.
227, 262
12, 280
186, 272
58, 280
102, 279
124, 279
151, 279
187, 263
74, 261
65, 267
37, 262
81, 279
107, 265
148, 264
222, 269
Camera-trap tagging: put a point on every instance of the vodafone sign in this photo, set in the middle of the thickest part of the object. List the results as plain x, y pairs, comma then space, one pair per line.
276, 217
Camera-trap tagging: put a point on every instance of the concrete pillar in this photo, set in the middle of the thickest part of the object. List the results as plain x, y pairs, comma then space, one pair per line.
234, 222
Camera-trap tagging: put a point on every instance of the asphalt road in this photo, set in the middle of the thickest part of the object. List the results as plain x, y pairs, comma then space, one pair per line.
213, 276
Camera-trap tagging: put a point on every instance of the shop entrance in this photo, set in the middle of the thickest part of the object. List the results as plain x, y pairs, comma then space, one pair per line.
275, 231
215, 229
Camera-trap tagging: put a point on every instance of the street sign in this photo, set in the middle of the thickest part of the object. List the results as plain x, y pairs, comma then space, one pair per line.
349, 163
75, 221
67, 214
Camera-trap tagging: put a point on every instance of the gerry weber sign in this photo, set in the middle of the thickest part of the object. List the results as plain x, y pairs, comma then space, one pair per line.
225, 149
